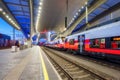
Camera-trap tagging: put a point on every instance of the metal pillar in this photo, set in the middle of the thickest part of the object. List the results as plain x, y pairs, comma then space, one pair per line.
31, 26
13, 33
31, 16
111, 16
66, 17
86, 10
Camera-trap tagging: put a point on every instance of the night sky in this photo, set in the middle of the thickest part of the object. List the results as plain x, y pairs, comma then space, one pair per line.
7, 29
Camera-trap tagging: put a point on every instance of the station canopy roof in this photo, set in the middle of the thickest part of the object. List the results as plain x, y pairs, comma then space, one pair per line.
107, 5
21, 12
52, 15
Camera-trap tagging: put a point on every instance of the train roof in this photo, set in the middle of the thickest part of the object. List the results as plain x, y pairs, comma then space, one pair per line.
92, 29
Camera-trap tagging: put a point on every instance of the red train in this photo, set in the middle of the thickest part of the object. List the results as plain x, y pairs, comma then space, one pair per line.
102, 41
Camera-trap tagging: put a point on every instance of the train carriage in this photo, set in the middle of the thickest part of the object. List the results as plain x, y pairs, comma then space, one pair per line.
103, 40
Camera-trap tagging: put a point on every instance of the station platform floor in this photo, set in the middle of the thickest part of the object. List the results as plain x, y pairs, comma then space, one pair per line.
28, 64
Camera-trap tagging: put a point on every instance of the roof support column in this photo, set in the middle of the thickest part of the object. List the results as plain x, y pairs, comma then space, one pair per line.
86, 10
31, 16
31, 19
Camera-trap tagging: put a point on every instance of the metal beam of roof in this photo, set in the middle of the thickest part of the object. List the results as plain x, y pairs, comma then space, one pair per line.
20, 11
21, 15
91, 9
102, 8
6, 9
99, 16
24, 23
15, 4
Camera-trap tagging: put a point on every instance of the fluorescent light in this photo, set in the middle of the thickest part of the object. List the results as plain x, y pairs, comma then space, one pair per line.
38, 14
79, 10
40, 8
40, 3
65, 29
39, 11
73, 19
77, 13
18, 27
12, 21
9, 19
4, 13
7, 16
86, 3
1, 9
75, 16
82, 7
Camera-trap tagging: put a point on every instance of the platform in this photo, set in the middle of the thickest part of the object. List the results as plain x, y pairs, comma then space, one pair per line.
29, 64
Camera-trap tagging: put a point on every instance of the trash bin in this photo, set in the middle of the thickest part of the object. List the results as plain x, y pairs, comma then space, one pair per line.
14, 48
18, 49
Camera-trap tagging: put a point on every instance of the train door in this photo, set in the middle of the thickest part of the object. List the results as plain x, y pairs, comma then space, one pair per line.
81, 39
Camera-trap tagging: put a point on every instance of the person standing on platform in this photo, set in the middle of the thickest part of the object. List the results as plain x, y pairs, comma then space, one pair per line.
17, 45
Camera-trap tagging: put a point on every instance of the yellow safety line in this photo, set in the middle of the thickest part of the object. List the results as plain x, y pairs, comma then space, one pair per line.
46, 77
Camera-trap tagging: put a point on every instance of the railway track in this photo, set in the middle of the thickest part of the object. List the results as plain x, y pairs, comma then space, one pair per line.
103, 62
100, 61
68, 70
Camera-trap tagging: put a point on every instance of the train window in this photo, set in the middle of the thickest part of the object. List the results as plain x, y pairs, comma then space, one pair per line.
65, 40
115, 42
102, 43
114, 45
71, 41
119, 44
95, 43
58, 42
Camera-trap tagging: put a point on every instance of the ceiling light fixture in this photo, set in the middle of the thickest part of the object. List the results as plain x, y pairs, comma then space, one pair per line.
75, 16
38, 14
79, 10
77, 13
12, 22
7, 16
39, 11
82, 7
86, 3
40, 8
4, 13
40, 3
9, 19
73, 19
1, 9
